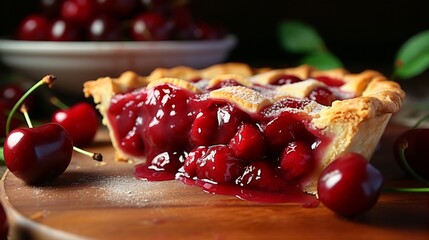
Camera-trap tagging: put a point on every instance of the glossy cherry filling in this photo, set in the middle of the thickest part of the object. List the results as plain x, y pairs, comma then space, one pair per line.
263, 156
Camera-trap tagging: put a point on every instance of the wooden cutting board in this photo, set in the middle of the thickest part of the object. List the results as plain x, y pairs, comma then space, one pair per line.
105, 201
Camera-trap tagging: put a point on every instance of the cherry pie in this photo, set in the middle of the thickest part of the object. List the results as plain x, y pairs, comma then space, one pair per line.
233, 125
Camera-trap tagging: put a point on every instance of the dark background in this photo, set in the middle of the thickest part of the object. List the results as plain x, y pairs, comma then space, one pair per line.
363, 34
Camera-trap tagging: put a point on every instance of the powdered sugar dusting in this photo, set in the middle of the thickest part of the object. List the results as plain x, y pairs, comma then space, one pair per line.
244, 97
108, 190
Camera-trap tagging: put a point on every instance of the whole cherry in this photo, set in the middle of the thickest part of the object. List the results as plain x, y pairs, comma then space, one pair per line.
349, 186
28, 157
62, 30
80, 121
38, 154
78, 11
11, 93
151, 26
104, 28
33, 28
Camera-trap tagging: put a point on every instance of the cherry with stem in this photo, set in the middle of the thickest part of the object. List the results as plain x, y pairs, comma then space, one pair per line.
80, 120
25, 150
95, 156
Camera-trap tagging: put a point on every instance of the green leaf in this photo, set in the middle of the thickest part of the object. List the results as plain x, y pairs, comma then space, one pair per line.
298, 37
413, 56
322, 60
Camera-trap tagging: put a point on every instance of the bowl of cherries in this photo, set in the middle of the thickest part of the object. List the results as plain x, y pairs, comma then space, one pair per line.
80, 40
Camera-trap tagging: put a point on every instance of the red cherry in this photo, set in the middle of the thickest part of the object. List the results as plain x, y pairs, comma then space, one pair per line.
38, 154
166, 161
150, 26
282, 130
193, 159
349, 186
229, 119
80, 121
204, 128
33, 28
248, 143
62, 30
123, 117
322, 95
333, 82
296, 160
166, 115
11, 93
260, 175
286, 79
78, 11
104, 28
219, 164
216, 124
414, 145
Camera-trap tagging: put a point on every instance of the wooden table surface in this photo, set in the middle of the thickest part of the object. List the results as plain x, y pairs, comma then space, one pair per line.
105, 201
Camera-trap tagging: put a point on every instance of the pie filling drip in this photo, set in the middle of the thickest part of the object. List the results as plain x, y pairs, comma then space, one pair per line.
261, 155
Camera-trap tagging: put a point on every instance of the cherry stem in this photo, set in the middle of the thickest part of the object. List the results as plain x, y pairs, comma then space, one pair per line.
406, 189
58, 103
408, 168
48, 79
27, 118
424, 118
95, 156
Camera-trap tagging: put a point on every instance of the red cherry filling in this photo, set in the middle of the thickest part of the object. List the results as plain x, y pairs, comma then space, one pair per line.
261, 175
248, 143
333, 82
219, 164
215, 124
295, 160
322, 95
194, 138
282, 130
193, 160
286, 79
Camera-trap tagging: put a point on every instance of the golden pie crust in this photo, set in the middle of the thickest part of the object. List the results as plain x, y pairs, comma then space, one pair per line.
355, 124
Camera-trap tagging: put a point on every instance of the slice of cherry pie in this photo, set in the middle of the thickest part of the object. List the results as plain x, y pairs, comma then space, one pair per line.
232, 125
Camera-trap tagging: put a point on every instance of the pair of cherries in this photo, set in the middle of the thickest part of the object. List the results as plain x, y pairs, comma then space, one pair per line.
42, 153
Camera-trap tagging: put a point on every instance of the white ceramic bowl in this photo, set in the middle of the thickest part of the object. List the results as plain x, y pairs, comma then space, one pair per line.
73, 63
